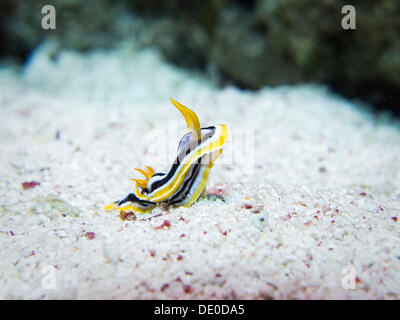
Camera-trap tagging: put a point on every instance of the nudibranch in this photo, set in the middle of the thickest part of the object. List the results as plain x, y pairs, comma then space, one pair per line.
186, 180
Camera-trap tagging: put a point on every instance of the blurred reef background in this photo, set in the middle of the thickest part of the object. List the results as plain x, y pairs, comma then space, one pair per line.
250, 44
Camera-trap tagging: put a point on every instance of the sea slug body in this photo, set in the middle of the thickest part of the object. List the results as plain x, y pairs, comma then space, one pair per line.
186, 180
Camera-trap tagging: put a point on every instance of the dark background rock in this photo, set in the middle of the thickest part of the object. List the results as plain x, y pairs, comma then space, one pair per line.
248, 43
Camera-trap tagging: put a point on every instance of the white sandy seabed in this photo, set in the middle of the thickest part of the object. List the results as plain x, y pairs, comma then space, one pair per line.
310, 212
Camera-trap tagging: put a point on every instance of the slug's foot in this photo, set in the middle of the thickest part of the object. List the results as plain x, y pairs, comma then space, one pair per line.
126, 205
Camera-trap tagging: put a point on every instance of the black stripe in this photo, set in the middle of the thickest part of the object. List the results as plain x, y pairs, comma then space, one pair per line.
132, 198
182, 193
170, 174
158, 174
